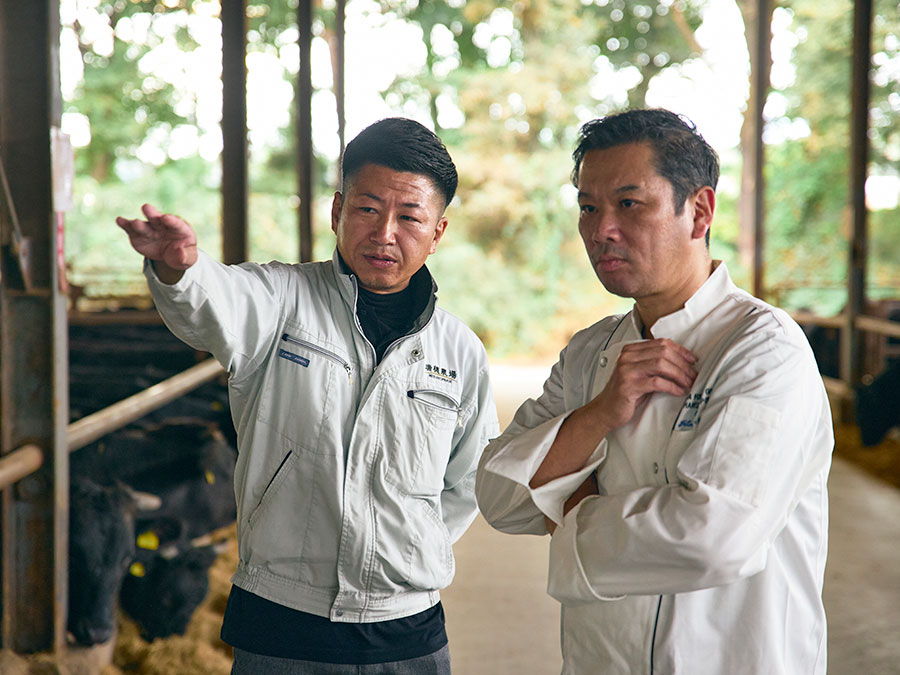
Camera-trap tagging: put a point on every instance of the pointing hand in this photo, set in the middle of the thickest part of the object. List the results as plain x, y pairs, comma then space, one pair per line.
164, 238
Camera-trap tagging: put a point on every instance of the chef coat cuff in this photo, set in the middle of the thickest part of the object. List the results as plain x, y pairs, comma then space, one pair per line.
520, 459
568, 581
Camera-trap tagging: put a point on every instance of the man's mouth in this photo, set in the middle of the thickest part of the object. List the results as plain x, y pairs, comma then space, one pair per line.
609, 263
380, 261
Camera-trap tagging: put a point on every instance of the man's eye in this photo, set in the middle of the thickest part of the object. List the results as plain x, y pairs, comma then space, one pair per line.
586, 208
367, 209
628, 203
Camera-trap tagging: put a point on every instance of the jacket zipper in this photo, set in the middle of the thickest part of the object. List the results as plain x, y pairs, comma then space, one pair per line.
414, 394
323, 352
265, 492
362, 332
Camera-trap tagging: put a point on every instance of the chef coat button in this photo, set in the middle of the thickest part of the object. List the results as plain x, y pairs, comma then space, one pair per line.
655, 467
340, 612
603, 361
416, 353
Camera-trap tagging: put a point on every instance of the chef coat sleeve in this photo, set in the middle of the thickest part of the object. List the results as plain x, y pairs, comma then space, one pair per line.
764, 443
510, 462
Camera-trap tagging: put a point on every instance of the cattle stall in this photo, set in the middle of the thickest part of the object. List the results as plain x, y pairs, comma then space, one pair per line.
36, 436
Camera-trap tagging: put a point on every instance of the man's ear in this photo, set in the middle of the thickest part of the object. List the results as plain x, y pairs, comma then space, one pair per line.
704, 203
438, 233
336, 204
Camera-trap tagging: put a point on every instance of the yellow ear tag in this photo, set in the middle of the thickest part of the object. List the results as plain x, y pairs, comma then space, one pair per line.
210, 478
137, 570
148, 540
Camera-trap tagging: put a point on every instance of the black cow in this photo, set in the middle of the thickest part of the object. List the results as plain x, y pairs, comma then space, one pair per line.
161, 592
177, 453
878, 406
825, 343
189, 467
195, 484
101, 546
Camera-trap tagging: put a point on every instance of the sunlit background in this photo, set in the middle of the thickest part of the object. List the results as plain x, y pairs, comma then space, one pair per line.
506, 85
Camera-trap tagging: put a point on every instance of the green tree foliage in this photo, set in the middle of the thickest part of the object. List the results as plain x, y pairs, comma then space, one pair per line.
524, 76
807, 174
507, 86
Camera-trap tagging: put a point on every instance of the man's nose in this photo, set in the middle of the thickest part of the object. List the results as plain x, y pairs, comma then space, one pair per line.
605, 227
385, 229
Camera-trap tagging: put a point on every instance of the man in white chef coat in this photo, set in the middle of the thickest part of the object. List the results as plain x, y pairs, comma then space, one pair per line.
679, 453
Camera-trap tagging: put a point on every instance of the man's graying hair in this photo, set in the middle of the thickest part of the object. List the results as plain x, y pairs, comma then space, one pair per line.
402, 145
681, 154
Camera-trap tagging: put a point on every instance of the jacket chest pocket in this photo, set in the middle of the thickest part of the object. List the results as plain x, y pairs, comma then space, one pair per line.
418, 436
303, 380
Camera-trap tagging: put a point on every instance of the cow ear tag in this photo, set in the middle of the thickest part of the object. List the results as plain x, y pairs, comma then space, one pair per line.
210, 477
137, 569
148, 541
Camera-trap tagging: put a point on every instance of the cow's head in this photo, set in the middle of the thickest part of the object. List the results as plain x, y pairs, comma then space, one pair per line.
101, 546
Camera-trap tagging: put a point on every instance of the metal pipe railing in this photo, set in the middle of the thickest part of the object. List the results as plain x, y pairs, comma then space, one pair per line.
91, 427
865, 323
874, 324
20, 463
810, 319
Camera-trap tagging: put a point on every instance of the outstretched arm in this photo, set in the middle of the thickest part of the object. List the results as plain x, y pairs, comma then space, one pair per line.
165, 239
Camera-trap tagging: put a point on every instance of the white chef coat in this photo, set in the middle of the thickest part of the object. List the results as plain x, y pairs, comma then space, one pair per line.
705, 551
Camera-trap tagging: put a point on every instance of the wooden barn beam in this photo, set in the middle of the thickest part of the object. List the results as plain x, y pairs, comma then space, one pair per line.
339, 75
34, 405
235, 181
305, 159
762, 56
851, 342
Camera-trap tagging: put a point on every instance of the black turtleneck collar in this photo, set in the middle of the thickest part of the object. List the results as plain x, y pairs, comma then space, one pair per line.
386, 317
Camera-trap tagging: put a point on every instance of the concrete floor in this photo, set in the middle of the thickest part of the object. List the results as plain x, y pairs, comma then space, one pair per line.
501, 621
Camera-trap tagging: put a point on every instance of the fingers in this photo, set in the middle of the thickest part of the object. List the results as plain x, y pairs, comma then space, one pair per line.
642, 368
165, 222
151, 212
162, 237
663, 365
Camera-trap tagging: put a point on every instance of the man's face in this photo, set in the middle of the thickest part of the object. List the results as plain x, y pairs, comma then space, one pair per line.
387, 223
638, 246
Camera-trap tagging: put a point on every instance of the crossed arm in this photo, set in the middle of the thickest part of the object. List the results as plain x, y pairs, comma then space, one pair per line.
657, 365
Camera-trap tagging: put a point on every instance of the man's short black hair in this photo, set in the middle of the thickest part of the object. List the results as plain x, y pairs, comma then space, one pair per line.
402, 145
681, 154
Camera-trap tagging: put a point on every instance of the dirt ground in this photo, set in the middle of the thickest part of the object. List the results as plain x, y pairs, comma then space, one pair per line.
201, 652
882, 460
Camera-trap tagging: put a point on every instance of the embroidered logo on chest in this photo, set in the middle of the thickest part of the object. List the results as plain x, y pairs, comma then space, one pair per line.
691, 410
446, 374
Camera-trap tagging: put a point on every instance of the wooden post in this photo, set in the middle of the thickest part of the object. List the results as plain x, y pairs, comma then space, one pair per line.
304, 131
235, 180
34, 403
851, 337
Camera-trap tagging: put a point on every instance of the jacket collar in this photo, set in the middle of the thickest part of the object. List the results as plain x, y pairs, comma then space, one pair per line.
346, 281
679, 324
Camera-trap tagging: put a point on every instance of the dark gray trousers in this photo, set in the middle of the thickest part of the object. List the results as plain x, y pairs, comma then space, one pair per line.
247, 663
